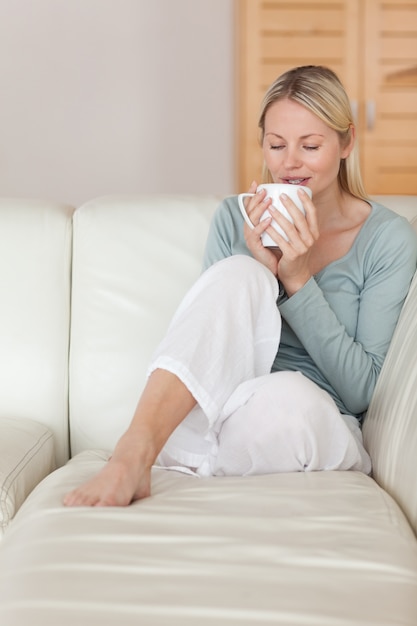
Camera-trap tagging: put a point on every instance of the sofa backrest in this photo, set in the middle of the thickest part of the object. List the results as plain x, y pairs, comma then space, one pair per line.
133, 260
35, 271
390, 428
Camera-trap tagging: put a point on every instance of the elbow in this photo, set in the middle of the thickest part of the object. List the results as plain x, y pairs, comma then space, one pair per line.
359, 398
357, 406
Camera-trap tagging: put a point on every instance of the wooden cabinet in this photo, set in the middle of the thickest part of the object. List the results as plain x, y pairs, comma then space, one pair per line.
371, 44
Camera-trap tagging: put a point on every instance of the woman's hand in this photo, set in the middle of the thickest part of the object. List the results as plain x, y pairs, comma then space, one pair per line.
255, 208
290, 262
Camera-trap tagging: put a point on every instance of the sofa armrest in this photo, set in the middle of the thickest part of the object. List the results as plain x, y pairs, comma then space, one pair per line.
26, 456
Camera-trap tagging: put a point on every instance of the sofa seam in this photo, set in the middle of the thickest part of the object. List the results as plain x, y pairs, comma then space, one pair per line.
18, 469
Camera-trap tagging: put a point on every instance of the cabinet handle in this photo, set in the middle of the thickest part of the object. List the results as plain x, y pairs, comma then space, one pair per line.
370, 114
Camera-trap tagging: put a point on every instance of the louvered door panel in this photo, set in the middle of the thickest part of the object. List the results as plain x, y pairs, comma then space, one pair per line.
390, 97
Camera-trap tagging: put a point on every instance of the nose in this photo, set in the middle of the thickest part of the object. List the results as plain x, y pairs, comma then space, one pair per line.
292, 158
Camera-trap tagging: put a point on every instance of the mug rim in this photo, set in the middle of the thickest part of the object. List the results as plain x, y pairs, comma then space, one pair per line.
265, 185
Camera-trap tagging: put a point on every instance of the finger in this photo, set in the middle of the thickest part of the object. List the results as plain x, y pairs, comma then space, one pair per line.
258, 205
297, 216
311, 213
252, 189
262, 226
299, 229
283, 222
253, 235
264, 254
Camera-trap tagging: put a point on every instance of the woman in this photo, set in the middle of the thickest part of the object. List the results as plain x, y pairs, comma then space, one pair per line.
240, 385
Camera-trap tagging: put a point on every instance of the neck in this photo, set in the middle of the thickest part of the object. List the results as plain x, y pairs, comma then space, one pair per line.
331, 206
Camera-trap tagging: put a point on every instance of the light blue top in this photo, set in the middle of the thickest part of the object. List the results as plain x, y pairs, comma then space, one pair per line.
338, 327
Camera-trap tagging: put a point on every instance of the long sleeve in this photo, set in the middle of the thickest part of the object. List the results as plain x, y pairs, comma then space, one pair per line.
345, 317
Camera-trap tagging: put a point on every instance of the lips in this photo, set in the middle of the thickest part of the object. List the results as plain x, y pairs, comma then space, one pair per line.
295, 181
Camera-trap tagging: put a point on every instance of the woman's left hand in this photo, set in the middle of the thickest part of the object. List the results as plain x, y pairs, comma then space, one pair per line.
293, 269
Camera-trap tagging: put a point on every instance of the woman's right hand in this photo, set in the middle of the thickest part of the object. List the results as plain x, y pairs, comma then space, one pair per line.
255, 208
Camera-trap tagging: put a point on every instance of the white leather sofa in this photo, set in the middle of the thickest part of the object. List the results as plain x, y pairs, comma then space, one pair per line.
85, 297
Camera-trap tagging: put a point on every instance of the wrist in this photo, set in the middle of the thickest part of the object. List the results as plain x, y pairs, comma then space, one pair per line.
292, 286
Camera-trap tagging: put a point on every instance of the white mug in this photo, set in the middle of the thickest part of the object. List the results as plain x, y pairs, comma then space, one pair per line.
273, 191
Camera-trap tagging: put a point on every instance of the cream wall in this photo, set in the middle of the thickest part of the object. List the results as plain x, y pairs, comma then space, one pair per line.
116, 96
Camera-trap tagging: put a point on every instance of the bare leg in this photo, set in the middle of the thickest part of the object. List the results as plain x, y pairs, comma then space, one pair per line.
164, 403
248, 341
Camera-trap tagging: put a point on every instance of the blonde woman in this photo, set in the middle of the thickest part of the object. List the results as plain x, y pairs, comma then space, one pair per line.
272, 358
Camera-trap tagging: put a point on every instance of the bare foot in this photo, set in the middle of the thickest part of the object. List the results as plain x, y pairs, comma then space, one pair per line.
115, 485
125, 477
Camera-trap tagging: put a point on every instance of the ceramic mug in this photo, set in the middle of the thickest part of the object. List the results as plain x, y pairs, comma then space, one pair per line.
273, 191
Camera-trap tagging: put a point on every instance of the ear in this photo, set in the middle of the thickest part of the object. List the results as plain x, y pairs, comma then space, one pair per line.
350, 142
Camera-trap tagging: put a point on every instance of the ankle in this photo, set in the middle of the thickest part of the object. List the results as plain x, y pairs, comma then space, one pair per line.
136, 448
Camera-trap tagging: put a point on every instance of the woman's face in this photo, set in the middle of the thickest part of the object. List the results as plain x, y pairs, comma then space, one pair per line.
301, 149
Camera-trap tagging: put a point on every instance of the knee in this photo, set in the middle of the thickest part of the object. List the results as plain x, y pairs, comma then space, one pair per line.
300, 402
242, 271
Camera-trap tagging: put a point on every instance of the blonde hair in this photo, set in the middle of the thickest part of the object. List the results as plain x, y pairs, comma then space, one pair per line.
319, 89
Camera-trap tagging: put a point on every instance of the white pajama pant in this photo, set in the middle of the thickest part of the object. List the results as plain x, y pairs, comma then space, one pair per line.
221, 344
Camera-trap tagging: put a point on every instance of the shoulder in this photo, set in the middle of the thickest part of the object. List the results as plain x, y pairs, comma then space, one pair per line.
388, 238
382, 214
228, 210
227, 219
389, 225
226, 233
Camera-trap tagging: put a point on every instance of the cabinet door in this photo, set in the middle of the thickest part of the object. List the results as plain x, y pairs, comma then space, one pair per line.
389, 149
371, 45
275, 36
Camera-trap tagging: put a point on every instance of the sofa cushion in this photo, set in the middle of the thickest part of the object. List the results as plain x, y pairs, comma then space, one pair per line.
321, 548
26, 456
134, 259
